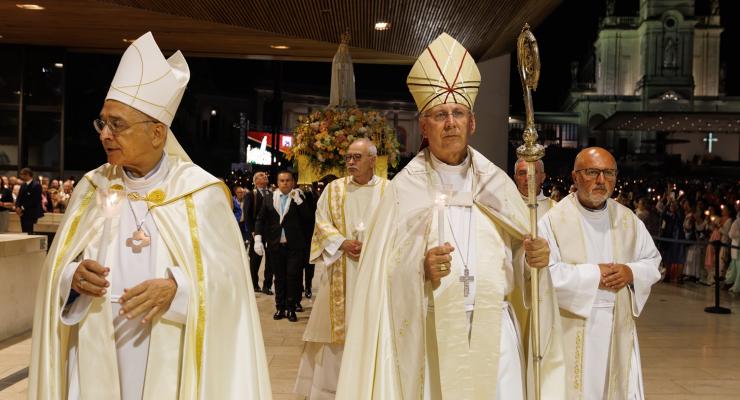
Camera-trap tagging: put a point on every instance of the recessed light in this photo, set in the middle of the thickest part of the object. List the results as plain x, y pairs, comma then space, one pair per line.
382, 26
58, 65
34, 7
279, 47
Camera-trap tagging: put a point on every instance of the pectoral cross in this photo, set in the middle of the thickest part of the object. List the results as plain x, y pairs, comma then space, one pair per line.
138, 241
466, 279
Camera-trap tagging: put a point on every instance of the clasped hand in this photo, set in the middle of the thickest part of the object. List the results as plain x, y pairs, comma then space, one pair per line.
614, 276
352, 248
152, 297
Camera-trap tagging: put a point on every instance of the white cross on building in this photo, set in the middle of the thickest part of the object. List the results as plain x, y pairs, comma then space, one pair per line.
709, 140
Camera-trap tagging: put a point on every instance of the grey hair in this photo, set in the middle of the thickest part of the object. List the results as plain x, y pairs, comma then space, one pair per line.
539, 166
371, 149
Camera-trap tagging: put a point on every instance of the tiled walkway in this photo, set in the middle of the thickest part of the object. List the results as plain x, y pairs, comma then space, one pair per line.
686, 353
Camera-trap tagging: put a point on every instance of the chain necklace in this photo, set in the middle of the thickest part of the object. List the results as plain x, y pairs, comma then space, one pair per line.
466, 278
139, 239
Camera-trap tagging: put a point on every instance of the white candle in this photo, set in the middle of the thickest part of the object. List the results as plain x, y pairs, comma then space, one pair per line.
109, 201
359, 231
440, 203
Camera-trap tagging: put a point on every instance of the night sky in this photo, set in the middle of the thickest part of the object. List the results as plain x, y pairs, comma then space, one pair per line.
569, 33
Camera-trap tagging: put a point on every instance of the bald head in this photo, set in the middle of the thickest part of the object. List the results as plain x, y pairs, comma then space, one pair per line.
594, 157
594, 176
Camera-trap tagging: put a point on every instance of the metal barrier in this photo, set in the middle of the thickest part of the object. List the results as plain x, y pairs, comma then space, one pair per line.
717, 244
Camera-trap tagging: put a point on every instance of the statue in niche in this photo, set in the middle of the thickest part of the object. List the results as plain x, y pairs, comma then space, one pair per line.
610, 7
714, 7
669, 53
574, 74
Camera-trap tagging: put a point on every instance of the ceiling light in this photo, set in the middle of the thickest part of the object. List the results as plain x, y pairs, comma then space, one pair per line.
279, 47
128, 40
34, 7
58, 65
1, 36
382, 26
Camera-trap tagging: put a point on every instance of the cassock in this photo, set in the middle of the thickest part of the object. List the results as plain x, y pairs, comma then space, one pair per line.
343, 213
459, 340
207, 345
595, 346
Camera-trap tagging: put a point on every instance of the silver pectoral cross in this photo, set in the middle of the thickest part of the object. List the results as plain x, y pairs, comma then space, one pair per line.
466, 279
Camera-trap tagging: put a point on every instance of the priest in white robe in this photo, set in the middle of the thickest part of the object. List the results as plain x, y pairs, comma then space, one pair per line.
145, 293
434, 276
603, 264
343, 213
544, 204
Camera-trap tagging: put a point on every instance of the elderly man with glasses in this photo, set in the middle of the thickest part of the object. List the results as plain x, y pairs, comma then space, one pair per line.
145, 291
430, 317
343, 214
603, 263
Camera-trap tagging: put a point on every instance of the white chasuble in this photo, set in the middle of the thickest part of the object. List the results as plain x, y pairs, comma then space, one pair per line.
415, 342
343, 212
207, 345
600, 340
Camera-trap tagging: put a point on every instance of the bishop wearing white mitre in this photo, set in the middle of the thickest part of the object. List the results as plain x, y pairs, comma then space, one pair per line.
144, 292
437, 265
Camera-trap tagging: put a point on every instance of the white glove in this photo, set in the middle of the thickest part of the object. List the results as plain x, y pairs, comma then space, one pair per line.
297, 196
259, 248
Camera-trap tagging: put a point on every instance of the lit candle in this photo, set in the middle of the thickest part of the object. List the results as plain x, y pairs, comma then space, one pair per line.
109, 200
440, 202
359, 231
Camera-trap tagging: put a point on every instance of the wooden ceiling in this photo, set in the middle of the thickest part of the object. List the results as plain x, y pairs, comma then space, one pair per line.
247, 29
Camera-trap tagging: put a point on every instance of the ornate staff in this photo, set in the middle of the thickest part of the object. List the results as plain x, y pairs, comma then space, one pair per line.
528, 60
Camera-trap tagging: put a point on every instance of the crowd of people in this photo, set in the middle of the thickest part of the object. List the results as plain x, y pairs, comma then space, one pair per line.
31, 197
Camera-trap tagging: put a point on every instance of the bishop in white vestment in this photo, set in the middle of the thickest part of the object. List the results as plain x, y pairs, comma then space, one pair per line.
343, 213
145, 293
437, 266
603, 264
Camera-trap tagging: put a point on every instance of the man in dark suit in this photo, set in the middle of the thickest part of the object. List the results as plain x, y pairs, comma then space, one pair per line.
28, 203
257, 199
285, 222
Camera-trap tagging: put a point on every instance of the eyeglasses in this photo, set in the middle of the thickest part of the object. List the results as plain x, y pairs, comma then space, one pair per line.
116, 126
593, 173
356, 157
440, 116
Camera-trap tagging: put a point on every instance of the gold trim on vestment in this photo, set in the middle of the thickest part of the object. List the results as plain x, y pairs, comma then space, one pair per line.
337, 276
73, 226
200, 327
174, 199
156, 196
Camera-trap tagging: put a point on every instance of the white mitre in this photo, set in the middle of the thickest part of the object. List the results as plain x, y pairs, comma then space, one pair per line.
148, 82
444, 73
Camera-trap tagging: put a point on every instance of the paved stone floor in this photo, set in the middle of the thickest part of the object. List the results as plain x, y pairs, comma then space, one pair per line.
686, 353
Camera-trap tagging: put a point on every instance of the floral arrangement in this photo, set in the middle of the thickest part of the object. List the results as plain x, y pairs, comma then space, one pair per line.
324, 136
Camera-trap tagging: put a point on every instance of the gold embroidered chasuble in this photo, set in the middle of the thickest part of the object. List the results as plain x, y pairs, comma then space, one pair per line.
334, 224
190, 361
406, 321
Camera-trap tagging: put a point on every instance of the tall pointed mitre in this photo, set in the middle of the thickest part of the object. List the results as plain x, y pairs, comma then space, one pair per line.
444, 73
148, 82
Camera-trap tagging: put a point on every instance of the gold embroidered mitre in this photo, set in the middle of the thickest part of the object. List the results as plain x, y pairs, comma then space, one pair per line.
444, 73
148, 82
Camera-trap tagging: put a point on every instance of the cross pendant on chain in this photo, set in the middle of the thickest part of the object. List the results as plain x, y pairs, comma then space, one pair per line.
466, 279
138, 240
